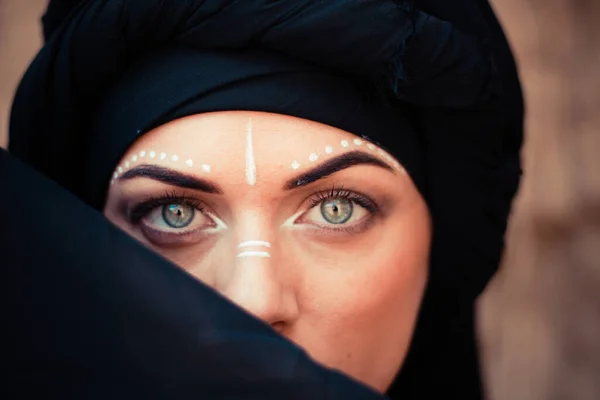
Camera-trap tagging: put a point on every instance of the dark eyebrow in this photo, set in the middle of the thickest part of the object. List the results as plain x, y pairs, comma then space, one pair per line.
334, 165
171, 177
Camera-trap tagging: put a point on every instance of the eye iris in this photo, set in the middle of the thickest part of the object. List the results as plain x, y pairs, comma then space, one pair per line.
337, 211
178, 215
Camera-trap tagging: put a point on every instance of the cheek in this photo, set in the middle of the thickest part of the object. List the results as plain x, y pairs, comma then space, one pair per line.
384, 274
384, 287
359, 315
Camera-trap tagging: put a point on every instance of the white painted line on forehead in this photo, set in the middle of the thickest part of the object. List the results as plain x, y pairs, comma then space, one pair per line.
250, 163
251, 243
261, 254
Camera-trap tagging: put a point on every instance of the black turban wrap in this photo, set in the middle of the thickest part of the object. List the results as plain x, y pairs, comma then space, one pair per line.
433, 82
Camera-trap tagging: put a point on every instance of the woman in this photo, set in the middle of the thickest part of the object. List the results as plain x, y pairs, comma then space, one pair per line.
291, 185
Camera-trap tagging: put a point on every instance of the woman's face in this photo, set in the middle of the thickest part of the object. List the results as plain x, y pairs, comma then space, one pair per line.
317, 232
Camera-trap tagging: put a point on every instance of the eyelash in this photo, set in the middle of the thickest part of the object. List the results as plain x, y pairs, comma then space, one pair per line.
340, 193
354, 196
143, 208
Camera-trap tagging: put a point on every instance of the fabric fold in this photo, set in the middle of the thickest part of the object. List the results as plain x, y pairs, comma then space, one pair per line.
92, 313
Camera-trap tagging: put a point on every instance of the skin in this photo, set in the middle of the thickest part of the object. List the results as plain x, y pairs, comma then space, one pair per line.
349, 298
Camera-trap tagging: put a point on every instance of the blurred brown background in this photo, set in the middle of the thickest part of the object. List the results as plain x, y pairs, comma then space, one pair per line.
539, 319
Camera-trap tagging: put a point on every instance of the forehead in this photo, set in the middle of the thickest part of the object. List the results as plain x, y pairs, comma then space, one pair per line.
227, 130
225, 143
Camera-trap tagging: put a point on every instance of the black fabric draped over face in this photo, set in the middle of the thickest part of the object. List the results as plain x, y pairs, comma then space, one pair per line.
453, 93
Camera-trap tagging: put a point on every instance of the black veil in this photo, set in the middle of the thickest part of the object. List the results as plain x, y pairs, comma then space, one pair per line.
448, 64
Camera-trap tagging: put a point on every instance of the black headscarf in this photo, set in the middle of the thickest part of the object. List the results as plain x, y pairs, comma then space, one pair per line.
450, 84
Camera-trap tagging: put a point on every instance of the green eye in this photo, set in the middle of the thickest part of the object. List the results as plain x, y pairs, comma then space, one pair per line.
178, 215
337, 211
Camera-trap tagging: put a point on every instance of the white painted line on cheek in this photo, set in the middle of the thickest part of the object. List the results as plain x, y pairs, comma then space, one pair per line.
261, 254
251, 243
250, 163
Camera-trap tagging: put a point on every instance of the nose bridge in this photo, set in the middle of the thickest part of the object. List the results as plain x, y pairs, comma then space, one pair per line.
257, 281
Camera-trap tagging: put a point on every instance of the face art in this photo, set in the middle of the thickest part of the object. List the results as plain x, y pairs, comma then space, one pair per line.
317, 232
253, 243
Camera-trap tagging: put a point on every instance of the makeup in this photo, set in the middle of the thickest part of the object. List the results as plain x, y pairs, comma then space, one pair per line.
250, 163
350, 145
252, 243
254, 253
152, 154
261, 254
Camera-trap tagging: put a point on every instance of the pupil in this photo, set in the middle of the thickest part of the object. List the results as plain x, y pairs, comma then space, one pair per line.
337, 211
178, 215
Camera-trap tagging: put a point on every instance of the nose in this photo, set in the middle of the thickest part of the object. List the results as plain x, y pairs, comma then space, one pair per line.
259, 285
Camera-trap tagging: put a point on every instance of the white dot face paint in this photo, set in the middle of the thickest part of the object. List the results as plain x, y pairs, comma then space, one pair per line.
347, 144
250, 163
152, 154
